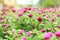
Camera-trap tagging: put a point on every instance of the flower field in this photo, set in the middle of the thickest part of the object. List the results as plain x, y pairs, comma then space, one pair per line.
29, 24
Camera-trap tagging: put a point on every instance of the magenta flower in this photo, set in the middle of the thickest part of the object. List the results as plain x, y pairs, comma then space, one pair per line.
40, 19
23, 38
29, 34
0, 18
47, 35
58, 26
26, 8
57, 34
52, 19
23, 10
19, 15
58, 15
14, 10
29, 8
44, 30
4, 25
21, 31
30, 15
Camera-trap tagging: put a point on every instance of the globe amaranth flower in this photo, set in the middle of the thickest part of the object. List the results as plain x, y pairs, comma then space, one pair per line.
57, 33
58, 15
30, 15
40, 19
58, 26
14, 10
20, 15
4, 25
29, 34
23, 38
23, 10
21, 31
47, 35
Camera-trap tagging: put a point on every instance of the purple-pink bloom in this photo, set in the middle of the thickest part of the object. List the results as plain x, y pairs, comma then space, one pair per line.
29, 34
47, 35
40, 19
58, 15
23, 10
0, 18
52, 20
57, 34
23, 38
14, 10
58, 26
30, 15
4, 25
21, 31
20, 15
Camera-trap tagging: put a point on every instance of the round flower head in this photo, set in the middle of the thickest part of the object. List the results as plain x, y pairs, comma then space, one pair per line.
58, 15
4, 25
40, 19
29, 34
47, 35
20, 15
30, 15
57, 34
58, 26
21, 31
23, 38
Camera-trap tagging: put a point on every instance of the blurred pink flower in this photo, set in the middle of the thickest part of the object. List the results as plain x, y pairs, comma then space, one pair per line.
52, 20
47, 36
4, 25
0, 18
13, 31
40, 19
23, 38
57, 33
58, 15
30, 15
23, 10
29, 34
58, 26
14, 10
21, 31
20, 15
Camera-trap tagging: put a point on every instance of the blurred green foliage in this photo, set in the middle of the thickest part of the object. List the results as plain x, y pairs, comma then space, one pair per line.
49, 3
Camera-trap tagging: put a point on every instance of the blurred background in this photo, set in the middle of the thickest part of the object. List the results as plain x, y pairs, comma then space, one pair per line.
30, 3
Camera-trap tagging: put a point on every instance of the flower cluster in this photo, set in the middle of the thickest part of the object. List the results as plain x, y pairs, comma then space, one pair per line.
29, 23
